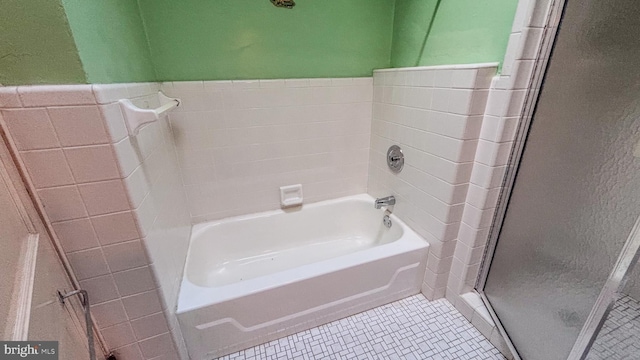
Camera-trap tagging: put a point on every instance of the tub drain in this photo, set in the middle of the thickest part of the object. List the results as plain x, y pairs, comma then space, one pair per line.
386, 220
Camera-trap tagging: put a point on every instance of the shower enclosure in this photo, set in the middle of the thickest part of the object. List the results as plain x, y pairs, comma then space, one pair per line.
565, 236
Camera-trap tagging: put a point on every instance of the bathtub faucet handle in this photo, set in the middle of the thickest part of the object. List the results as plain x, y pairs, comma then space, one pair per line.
385, 201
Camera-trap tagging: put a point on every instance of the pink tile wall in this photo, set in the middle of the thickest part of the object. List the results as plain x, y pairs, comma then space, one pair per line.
64, 136
435, 115
238, 141
149, 170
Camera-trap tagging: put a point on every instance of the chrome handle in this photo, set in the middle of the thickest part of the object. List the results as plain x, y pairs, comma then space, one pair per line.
84, 300
395, 158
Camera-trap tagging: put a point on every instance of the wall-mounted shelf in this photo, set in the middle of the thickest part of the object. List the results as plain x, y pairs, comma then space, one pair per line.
136, 117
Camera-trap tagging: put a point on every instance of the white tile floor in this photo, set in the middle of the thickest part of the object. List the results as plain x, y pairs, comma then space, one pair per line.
412, 328
620, 335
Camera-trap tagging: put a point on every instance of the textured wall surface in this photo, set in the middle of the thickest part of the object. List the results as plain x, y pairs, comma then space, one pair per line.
111, 40
252, 39
463, 32
36, 45
145, 40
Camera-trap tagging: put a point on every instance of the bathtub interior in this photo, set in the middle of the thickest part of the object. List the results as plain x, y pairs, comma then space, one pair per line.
243, 248
314, 278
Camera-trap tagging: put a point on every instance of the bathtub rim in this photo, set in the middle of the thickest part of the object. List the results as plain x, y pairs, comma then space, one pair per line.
192, 297
200, 227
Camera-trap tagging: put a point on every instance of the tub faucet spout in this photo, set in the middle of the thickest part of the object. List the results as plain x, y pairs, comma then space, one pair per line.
385, 201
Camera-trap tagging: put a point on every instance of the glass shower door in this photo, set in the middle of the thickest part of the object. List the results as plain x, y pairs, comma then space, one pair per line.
576, 194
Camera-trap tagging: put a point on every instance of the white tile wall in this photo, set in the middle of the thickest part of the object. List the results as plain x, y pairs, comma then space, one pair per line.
527, 52
64, 142
239, 141
435, 115
505, 105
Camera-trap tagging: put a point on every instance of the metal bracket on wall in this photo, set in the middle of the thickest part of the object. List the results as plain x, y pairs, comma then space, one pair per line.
87, 316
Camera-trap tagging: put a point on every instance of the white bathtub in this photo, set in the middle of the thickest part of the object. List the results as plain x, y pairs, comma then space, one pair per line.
256, 278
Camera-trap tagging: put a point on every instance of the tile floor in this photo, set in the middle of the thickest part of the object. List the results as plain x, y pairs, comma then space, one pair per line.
620, 336
412, 328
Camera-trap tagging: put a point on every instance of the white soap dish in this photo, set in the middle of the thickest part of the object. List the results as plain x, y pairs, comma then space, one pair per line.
291, 195
136, 117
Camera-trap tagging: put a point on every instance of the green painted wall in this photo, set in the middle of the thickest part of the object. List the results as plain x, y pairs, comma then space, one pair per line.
249, 39
36, 46
111, 40
100, 41
463, 32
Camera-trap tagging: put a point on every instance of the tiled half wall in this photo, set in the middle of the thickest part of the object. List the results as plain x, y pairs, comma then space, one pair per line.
435, 114
115, 203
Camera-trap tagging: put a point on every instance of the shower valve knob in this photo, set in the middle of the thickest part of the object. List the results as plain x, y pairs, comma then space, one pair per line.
395, 158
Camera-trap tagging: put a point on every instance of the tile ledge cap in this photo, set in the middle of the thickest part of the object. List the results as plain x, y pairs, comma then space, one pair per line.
442, 67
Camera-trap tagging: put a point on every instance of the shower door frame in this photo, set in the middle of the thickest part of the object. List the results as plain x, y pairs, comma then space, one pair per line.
630, 252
